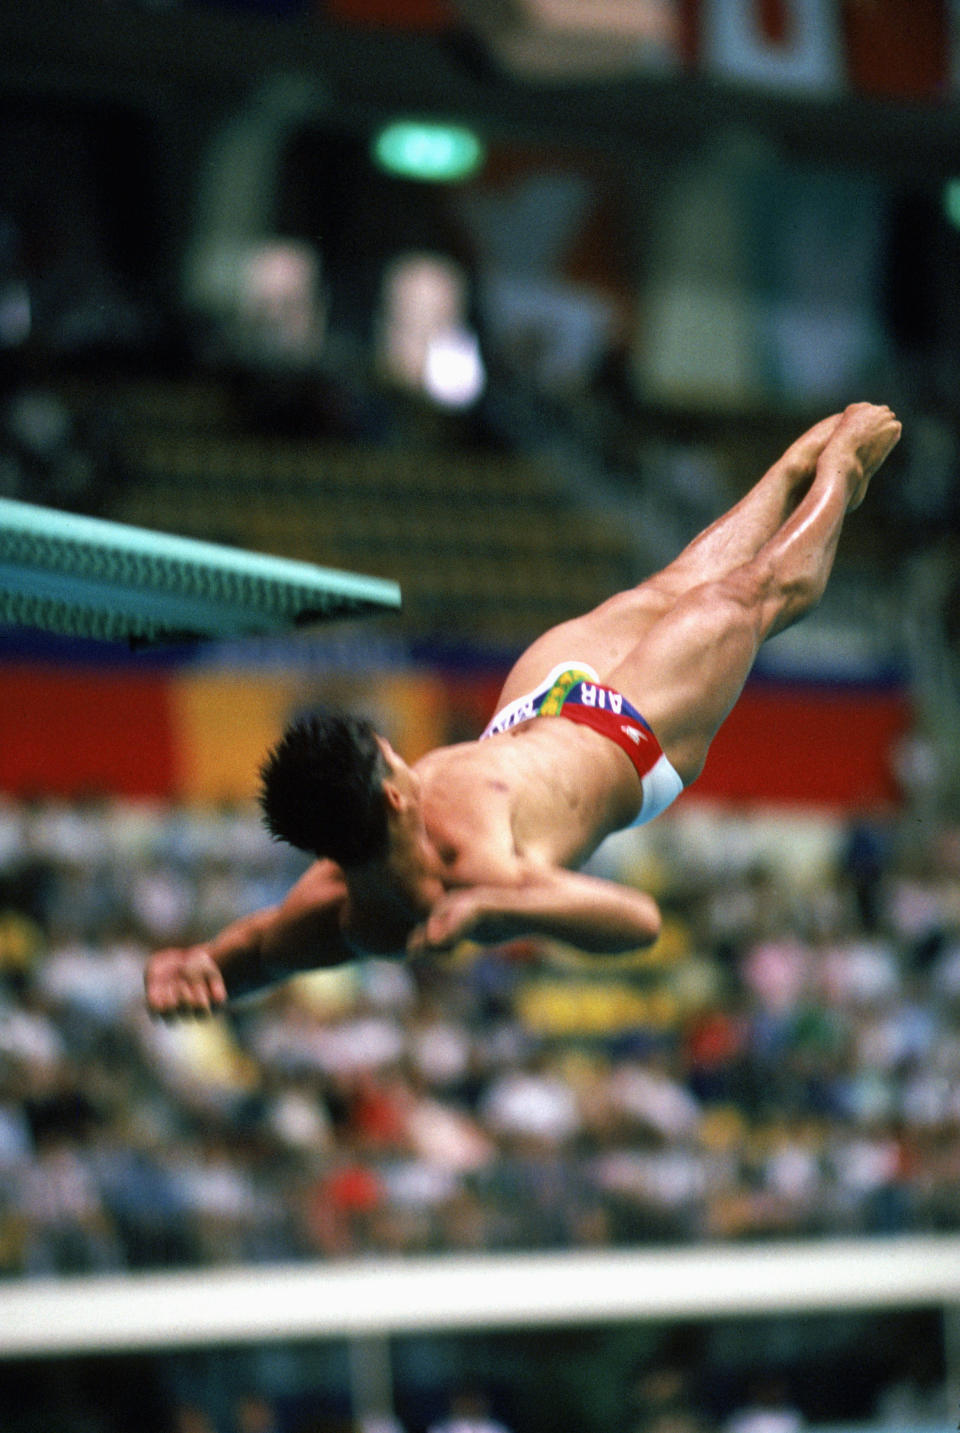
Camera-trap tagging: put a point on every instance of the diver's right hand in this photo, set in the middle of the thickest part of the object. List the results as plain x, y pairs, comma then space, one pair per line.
183, 983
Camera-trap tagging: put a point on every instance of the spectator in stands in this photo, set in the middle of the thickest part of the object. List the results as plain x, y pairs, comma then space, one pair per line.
769, 1409
469, 1412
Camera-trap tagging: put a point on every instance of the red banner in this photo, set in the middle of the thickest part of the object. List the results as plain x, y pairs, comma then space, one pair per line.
200, 735
393, 14
77, 732
898, 49
807, 746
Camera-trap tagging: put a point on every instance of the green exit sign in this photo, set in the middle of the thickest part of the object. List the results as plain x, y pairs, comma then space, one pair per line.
434, 153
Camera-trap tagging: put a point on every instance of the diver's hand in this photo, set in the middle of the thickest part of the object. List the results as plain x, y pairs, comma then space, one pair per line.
183, 983
457, 916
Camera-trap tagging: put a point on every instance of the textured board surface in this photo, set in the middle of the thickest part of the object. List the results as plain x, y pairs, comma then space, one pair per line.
87, 577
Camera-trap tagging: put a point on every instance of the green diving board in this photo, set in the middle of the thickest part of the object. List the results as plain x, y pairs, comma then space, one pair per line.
89, 577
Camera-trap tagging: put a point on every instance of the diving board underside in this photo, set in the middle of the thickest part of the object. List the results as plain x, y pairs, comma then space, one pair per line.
88, 577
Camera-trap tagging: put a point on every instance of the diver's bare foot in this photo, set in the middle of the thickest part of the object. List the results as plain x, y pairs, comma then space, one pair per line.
868, 432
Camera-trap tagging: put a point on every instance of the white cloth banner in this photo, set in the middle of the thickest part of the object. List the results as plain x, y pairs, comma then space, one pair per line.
737, 42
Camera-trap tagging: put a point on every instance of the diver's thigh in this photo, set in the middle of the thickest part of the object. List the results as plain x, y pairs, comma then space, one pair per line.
689, 668
602, 638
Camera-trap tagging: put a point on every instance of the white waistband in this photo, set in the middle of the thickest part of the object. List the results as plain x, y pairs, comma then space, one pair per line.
523, 708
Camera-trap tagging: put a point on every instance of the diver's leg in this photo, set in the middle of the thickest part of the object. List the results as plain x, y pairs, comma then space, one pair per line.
687, 670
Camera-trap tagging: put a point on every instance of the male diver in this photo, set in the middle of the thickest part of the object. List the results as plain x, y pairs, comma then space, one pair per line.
601, 723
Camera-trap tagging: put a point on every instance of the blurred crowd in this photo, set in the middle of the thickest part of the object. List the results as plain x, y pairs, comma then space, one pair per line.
784, 1062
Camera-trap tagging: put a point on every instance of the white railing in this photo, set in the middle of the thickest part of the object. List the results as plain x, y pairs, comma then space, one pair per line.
379, 1297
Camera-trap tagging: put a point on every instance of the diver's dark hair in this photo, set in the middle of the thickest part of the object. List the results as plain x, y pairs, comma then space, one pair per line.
322, 788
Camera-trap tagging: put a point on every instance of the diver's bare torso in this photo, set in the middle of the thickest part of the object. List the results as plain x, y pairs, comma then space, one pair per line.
545, 793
